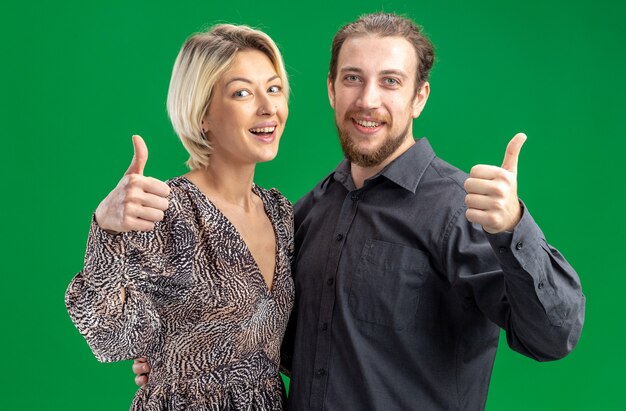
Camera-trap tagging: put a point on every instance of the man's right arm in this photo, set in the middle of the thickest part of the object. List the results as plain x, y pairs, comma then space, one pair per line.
520, 283
141, 368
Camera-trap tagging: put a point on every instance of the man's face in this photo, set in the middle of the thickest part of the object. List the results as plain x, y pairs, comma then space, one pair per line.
374, 98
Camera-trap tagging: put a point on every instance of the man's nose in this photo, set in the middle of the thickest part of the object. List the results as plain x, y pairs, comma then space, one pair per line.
369, 96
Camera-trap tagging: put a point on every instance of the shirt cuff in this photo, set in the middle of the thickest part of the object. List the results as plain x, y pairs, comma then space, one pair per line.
515, 248
522, 256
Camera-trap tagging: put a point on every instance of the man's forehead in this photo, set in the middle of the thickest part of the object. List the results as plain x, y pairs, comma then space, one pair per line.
377, 54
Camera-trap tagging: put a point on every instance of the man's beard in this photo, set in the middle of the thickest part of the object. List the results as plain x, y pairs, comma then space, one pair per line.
389, 146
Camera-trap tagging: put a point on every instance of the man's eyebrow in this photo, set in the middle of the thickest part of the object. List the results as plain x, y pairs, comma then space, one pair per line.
245, 80
353, 69
394, 72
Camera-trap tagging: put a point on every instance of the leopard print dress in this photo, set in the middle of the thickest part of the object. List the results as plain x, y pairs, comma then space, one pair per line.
190, 298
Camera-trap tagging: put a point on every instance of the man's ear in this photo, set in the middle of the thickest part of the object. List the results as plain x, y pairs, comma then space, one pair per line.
420, 99
331, 91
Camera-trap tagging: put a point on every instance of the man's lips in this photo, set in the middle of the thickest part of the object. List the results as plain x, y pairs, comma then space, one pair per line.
367, 126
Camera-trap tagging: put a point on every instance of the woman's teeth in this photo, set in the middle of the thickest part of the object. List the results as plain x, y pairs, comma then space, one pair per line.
263, 130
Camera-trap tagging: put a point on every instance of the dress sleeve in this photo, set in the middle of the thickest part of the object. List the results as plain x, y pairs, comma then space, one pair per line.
114, 299
520, 283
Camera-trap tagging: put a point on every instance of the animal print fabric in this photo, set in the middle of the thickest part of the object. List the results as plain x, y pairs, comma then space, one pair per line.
189, 297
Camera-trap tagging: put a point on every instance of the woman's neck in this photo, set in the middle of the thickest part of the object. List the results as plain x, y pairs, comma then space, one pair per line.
226, 182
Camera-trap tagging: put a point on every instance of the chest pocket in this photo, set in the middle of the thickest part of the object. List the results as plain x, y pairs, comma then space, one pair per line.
386, 285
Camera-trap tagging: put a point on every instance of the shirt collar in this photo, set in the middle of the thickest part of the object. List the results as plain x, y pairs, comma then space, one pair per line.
405, 171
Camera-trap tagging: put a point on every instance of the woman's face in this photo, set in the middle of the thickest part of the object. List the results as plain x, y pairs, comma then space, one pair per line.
248, 111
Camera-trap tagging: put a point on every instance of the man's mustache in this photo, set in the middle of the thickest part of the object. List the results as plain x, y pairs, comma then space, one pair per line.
369, 115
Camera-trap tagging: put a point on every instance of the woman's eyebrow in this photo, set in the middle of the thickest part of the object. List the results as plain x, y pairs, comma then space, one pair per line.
245, 80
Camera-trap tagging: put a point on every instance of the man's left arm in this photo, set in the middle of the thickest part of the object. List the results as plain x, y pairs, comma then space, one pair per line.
542, 309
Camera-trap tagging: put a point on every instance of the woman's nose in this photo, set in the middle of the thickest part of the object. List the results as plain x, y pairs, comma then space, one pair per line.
267, 107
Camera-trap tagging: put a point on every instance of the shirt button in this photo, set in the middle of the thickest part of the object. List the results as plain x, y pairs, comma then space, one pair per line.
540, 285
330, 281
339, 237
321, 372
324, 326
355, 197
502, 250
519, 246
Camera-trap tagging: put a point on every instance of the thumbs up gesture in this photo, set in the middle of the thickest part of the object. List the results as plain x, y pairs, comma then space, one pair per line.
492, 192
138, 201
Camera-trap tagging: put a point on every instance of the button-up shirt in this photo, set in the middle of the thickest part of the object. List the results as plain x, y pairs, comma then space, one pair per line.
399, 298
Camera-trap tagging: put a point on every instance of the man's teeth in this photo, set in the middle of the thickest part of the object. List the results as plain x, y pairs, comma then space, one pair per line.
367, 123
263, 130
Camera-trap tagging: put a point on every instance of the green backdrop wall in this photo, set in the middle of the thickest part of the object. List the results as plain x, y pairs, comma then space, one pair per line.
79, 78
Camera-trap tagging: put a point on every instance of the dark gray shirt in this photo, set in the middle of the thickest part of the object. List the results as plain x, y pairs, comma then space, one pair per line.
399, 299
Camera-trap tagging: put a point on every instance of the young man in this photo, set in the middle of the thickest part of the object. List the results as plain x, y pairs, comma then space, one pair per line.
406, 269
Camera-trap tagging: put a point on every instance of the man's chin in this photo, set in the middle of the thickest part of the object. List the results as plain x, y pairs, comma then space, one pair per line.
360, 154
363, 158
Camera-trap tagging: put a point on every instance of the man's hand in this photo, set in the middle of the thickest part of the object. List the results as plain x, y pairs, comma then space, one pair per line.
137, 202
492, 192
141, 370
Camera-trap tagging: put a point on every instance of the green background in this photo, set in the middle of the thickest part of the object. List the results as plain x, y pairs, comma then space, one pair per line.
79, 78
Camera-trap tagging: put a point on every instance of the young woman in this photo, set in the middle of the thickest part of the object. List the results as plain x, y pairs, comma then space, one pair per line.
194, 274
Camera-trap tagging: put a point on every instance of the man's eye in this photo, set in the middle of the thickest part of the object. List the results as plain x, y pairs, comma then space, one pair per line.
275, 89
391, 81
241, 93
352, 78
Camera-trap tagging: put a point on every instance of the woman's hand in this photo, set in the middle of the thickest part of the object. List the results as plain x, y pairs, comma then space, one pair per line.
138, 201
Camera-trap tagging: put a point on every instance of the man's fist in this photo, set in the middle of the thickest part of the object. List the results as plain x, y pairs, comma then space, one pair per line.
141, 370
492, 192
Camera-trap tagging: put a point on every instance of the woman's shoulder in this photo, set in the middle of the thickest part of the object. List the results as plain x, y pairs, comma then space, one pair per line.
183, 194
276, 198
179, 185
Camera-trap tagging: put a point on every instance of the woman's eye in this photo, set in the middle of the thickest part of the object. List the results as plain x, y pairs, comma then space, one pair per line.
274, 89
241, 93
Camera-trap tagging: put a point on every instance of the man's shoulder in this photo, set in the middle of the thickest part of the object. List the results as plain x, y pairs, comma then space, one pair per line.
442, 177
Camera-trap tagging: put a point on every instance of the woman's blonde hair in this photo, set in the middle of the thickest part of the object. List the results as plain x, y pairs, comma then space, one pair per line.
200, 64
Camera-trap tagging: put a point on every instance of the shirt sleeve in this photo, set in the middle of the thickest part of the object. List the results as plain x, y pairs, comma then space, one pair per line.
114, 299
519, 282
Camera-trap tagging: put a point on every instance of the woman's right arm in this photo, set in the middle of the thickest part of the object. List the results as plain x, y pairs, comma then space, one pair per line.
105, 300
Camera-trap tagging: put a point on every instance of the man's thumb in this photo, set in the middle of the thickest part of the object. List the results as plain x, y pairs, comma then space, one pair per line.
140, 156
512, 152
